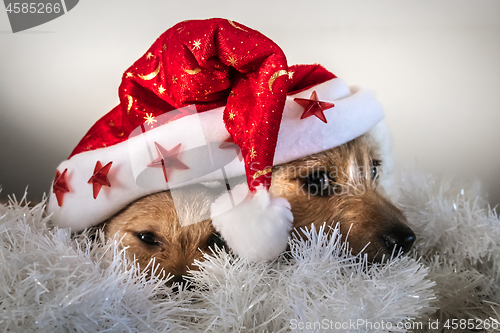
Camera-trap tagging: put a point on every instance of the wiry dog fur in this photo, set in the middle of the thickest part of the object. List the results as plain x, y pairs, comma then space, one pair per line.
176, 246
342, 185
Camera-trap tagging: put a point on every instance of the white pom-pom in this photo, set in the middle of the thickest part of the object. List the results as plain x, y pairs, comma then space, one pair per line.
257, 228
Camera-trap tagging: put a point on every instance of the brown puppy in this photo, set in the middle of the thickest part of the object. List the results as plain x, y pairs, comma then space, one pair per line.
340, 185
151, 228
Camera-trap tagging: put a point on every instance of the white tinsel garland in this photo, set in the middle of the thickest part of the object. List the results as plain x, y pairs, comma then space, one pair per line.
51, 282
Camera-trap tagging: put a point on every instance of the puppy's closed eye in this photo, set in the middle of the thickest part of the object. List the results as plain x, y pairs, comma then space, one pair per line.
215, 240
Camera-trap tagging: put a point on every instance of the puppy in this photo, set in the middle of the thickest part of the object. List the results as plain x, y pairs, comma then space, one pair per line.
151, 228
341, 185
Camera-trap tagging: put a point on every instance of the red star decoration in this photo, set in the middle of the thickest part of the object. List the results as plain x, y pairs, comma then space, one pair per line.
229, 144
313, 106
100, 177
168, 160
60, 186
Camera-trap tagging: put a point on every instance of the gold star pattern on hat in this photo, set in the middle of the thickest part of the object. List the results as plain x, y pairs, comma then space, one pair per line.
232, 61
253, 154
197, 44
150, 119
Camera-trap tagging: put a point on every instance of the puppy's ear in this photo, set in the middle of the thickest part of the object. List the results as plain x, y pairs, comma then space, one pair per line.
380, 138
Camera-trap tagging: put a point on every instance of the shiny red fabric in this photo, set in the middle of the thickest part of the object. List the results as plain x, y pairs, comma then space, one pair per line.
307, 76
207, 64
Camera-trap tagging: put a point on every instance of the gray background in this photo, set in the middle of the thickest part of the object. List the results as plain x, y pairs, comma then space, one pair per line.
433, 64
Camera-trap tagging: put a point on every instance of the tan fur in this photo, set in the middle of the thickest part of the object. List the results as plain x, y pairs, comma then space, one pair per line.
358, 204
179, 246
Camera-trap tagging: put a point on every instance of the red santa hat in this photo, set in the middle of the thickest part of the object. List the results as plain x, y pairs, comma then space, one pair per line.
203, 87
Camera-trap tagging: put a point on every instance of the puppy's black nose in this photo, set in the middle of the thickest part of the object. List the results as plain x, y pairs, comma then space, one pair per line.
180, 283
399, 238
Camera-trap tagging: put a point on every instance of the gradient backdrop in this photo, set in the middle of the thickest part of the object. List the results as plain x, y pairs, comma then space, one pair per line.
433, 64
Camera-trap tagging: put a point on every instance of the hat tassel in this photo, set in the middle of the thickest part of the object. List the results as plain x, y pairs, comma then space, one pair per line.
258, 228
